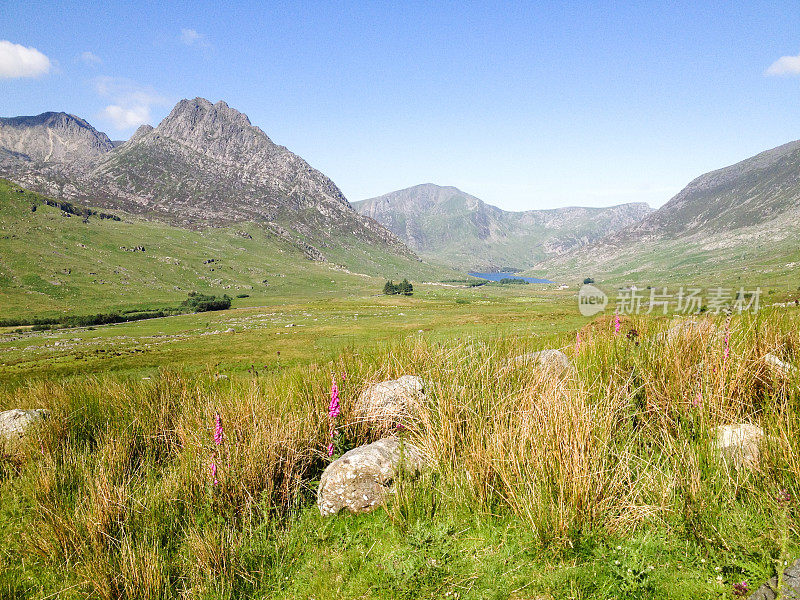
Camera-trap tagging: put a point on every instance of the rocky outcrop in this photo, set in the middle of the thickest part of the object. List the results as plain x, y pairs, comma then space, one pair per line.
386, 404
359, 481
739, 445
791, 585
16, 422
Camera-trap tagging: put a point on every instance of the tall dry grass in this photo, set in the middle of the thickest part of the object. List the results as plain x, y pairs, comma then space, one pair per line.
121, 496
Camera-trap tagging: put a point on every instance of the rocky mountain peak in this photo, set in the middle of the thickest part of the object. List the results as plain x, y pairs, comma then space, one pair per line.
53, 137
215, 130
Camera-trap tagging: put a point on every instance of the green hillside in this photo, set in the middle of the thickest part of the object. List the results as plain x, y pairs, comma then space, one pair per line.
52, 263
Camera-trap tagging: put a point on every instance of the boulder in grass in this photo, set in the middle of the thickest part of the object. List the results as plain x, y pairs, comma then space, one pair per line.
791, 585
554, 361
778, 367
388, 403
15, 422
739, 444
689, 329
359, 480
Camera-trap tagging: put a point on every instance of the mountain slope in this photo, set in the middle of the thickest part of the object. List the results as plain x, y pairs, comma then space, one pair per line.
53, 262
736, 223
448, 225
204, 164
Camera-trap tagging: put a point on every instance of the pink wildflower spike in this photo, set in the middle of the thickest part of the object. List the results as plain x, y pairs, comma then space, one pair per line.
616, 324
214, 472
727, 348
577, 341
217, 429
698, 399
333, 411
334, 408
344, 375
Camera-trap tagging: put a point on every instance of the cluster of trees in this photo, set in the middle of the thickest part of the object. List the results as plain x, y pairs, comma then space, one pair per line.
513, 281
404, 287
202, 302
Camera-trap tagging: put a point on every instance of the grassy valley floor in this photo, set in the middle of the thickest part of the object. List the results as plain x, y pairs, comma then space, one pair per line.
601, 484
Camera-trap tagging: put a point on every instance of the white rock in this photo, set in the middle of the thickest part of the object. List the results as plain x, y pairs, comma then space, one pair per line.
15, 422
739, 444
388, 403
360, 479
778, 366
552, 360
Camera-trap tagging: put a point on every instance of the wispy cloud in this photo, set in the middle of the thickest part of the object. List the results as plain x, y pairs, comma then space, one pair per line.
90, 58
130, 102
17, 61
190, 37
785, 65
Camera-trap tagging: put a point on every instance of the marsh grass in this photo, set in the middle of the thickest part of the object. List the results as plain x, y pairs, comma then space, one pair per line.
112, 496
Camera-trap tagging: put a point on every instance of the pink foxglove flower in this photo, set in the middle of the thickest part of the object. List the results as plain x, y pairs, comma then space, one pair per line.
698, 399
333, 411
217, 429
727, 348
577, 341
333, 407
214, 472
616, 324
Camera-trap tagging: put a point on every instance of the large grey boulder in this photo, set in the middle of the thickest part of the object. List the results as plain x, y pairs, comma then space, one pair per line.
359, 480
553, 361
388, 403
739, 444
15, 422
791, 585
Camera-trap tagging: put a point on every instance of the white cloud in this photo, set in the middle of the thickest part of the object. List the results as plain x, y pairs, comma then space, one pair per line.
785, 65
190, 37
126, 118
90, 58
130, 102
19, 61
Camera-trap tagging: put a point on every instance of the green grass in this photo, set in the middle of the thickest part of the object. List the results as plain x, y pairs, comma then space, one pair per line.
54, 265
601, 485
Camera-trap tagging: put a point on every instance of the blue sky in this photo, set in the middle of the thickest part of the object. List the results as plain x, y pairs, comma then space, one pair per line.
525, 105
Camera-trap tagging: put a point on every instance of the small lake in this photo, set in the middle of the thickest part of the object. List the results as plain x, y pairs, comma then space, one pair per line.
499, 276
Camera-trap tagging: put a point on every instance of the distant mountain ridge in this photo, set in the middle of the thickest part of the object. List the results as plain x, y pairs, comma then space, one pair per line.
204, 164
741, 220
445, 224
